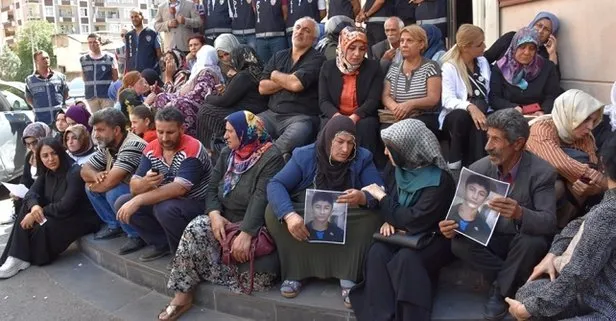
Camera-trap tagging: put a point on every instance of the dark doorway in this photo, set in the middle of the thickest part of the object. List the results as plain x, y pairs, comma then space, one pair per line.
460, 12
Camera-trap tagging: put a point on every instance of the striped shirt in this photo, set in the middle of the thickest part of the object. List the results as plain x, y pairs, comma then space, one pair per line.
402, 88
545, 143
190, 166
126, 158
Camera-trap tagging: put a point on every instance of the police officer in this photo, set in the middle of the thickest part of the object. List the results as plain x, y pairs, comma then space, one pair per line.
217, 20
99, 70
270, 27
243, 21
374, 13
46, 90
142, 45
314, 9
432, 12
349, 8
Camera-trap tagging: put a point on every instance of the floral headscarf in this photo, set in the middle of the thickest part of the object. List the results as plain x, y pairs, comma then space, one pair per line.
348, 36
254, 142
38, 130
515, 73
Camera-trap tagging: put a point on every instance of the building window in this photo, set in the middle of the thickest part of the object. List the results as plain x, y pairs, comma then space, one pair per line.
49, 12
83, 12
85, 29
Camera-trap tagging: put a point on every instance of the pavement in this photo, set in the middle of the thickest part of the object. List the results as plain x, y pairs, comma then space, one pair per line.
74, 288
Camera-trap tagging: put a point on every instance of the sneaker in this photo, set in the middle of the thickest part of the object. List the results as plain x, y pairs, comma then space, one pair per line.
133, 244
154, 254
107, 232
12, 266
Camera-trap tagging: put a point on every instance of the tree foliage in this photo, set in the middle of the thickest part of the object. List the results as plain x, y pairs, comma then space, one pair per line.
37, 35
9, 64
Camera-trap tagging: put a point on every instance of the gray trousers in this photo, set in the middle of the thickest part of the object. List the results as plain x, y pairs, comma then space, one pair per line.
290, 131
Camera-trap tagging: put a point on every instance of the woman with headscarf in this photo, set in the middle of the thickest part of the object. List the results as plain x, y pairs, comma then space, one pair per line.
77, 114
546, 24
607, 127
56, 212
32, 134
522, 79
175, 76
243, 168
241, 93
436, 47
565, 140
333, 163
399, 281
224, 45
59, 124
203, 81
351, 86
334, 25
78, 143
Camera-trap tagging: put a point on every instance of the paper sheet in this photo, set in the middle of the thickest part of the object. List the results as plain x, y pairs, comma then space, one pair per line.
18, 190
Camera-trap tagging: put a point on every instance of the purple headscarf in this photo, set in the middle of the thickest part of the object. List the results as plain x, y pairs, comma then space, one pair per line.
547, 15
515, 73
80, 115
37, 130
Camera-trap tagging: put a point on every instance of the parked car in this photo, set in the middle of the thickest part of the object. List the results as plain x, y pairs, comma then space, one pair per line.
15, 114
76, 89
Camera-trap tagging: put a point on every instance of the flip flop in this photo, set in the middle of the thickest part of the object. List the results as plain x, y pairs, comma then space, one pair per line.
173, 312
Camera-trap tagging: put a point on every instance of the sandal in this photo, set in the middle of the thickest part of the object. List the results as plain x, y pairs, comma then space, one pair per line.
345, 298
290, 289
173, 312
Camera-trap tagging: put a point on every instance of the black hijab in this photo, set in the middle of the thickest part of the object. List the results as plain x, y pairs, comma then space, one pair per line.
245, 58
332, 175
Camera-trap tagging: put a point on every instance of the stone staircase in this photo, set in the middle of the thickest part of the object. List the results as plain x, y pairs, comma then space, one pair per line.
461, 290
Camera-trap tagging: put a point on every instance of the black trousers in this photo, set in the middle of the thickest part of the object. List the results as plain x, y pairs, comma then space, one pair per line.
466, 142
399, 283
375, 31
508, 259
211, 123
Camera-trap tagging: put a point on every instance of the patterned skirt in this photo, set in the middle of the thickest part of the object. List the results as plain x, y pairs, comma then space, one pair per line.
198, 258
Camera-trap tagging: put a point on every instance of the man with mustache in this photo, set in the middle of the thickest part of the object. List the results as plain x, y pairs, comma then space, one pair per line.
168, 189
527, 215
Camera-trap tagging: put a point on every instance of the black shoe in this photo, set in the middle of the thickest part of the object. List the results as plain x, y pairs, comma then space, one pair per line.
108, 232
132, 245
496, 308
154, 254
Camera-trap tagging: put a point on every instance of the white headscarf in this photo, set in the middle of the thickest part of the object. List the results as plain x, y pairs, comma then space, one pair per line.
570, 110
226, 42
610, 110
207, 58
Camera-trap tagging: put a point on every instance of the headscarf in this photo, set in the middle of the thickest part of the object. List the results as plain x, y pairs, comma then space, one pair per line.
83, 136
226, 42
333, 175
254, 142
571, 108
333, 27
546, 15
207, 58
515, 73
435, 40
152, 77
610, 110
128, 99
38, 130
245, 58
348, 36
418, 158
80, 115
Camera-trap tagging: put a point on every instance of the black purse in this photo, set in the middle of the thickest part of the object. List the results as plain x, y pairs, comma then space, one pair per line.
416, 241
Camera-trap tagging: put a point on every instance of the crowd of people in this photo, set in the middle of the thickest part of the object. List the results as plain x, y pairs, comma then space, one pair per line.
207, 139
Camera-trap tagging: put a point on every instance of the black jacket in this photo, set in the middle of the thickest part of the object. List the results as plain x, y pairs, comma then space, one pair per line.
242, 92
369, 88
332, 234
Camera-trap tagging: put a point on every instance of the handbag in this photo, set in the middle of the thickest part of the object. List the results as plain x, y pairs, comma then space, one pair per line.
416, 241
261, 244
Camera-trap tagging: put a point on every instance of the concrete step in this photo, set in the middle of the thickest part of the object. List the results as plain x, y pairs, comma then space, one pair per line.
462, 291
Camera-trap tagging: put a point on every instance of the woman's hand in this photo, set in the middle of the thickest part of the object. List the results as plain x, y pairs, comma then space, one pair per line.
387, 229
190, 56
37, 213
218, 225
479, 118
296, 226
517, 309
375, 190
353, 197
546, 266
354, 118
240, 249
27, 222
447, 228
150, 99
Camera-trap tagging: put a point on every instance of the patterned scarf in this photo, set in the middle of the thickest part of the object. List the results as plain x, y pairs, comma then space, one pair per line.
515, 73
245, 58
254, 142
348, 36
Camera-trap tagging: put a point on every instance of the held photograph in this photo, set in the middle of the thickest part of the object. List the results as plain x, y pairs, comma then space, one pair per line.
476, 220
325, 219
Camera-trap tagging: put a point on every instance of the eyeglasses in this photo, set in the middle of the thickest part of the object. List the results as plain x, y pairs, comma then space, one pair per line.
31, 143
541, 27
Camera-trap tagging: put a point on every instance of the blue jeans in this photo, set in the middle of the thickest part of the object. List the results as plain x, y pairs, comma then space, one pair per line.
103, 204
250, 40
267, 47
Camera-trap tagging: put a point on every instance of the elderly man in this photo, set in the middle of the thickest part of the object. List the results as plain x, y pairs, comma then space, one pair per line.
46, 90
99, 70
527, 215
388, 50
142, 45
291, 79
168, 189
108, 170
177, 19
374, 13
